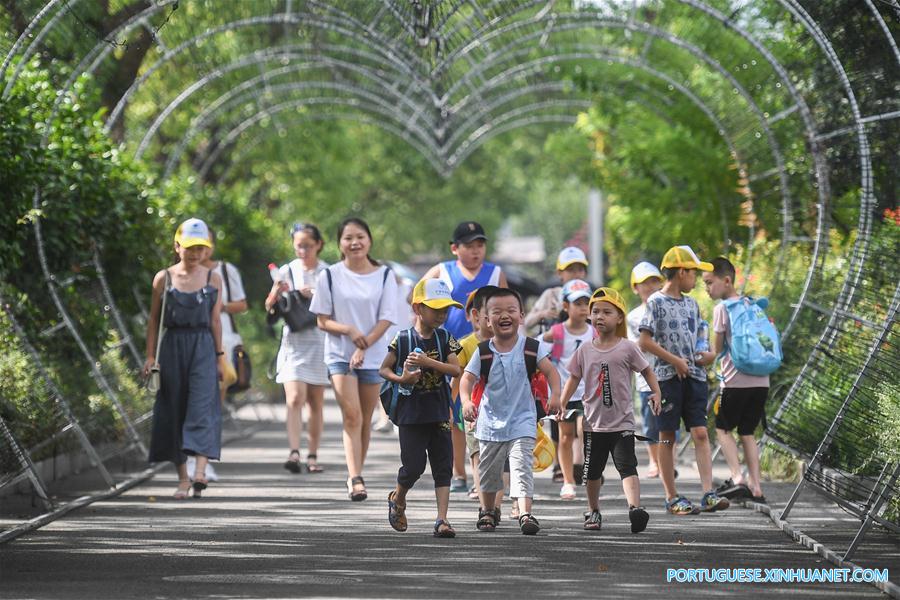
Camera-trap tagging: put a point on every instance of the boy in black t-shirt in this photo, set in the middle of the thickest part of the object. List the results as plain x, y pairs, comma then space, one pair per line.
423, 414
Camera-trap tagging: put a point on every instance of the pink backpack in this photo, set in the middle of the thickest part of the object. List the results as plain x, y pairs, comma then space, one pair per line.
558, 331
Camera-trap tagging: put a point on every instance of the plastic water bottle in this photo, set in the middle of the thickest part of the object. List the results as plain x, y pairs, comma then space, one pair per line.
406, 390
274, 272
702, 338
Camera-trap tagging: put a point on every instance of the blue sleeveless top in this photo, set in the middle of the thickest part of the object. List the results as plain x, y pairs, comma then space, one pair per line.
460, 288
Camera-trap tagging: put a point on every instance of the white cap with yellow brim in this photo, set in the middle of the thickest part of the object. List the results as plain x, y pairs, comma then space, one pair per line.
570, 256
644, 271
192, 232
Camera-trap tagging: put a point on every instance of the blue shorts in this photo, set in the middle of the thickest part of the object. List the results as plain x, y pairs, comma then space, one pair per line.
364, 375
650, 429
683, 400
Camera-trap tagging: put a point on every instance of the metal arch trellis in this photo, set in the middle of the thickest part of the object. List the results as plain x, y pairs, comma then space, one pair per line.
866, 179
823, 187
120, 106
649, 30
285, 18
241, 94
655, 32
276, 18
473, 119
207, 163
247, 147
580, 21
872, 514
467, 147
58, 398
408, 62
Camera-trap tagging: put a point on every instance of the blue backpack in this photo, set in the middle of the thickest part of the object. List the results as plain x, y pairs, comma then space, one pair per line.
755, 342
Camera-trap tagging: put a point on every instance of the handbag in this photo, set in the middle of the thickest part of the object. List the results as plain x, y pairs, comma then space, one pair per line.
153, 381
242, 367
293, 308
240, 359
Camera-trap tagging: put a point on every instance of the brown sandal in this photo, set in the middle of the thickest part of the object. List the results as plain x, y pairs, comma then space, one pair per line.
396, 513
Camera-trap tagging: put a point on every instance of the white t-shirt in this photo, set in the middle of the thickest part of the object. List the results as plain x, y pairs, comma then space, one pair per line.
633, 320
360, 301
230, 338
296, 274
571, 343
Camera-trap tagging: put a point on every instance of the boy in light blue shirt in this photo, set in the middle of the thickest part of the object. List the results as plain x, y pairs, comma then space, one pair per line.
502, 402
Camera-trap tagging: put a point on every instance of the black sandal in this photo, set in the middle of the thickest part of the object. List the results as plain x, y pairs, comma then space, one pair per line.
528, 524
486, 520
360, 495
291, 465
447, 532
313, 467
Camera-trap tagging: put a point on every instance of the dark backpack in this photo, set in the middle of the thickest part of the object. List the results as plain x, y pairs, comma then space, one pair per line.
535, 377
390, 391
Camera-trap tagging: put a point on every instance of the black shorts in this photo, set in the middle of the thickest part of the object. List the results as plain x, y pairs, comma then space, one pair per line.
682, 400
598, 445
742, 408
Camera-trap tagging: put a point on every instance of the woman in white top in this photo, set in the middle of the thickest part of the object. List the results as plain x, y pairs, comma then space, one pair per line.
300, 366
356, 304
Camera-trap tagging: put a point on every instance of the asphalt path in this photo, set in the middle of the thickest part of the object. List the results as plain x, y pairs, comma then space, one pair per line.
262, 532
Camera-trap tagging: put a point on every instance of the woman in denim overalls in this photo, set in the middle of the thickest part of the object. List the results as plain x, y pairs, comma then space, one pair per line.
187, 418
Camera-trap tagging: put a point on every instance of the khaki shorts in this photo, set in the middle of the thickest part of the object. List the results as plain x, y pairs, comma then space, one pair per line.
471, 443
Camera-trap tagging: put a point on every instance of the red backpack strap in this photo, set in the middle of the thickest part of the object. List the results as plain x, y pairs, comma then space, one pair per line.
487, 359
558, 332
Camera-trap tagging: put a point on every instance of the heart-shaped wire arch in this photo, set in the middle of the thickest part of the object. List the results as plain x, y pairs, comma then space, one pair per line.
446, 77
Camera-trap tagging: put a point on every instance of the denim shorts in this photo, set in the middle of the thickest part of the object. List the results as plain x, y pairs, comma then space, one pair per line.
650, 429
682, 400
363, 375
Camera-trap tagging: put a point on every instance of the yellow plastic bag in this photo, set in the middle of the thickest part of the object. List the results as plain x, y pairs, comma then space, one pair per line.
544, 450
229, 375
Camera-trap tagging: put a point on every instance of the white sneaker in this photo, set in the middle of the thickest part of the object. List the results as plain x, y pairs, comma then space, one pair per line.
567, 492
384, 426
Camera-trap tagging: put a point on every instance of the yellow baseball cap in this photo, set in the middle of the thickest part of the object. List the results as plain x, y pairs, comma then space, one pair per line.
192, 232
682, 257
610, 295
570, 256
433, 293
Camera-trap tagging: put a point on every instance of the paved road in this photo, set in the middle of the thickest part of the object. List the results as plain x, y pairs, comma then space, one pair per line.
265, 533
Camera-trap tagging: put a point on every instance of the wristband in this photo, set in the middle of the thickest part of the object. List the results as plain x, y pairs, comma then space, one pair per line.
220, 354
